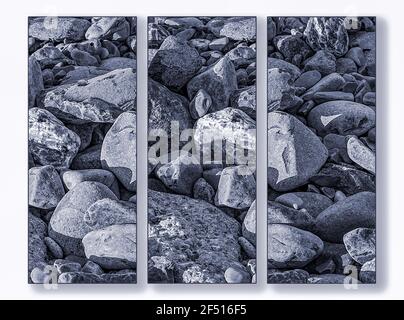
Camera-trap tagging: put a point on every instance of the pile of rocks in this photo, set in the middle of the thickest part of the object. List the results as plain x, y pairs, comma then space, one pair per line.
321, 149
82, 149
202, 214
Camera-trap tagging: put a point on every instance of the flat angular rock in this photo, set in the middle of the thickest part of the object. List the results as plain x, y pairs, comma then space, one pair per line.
118, 153
239, 28
219, 81
200, 240
175, 63
45, 187
71, 178
164, 107
281, 214
67, 226
313, 202
308, 79
295, 153
290, 276
111, 28
50, 142
356, 211
236, 188
361, 244
327, 33
284, 66
322, 61
112, 247
107, 212
361, 155
342, 117
35, 81
100, 99
346, 178
290, 247
180, 174
331, 82
281, 93
321, 97
58, 28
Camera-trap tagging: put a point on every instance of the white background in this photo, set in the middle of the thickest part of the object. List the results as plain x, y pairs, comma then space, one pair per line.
13, 158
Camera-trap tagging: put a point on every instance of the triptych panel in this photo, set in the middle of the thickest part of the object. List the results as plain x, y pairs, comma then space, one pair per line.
321, 149
201, 117
82, 149
201, 120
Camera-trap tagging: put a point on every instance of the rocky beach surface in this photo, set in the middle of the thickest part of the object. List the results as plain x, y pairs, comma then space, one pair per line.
201, 214
321, 149
82, 149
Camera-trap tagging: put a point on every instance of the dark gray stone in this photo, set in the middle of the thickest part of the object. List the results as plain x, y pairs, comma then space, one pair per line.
295, 276
45, 187
314, 203
175, 63
356, 211
322, 61
180, 174
341, 117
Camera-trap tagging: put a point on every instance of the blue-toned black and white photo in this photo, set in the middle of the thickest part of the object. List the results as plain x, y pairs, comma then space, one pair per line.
321, 100
82, 149
202, 142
